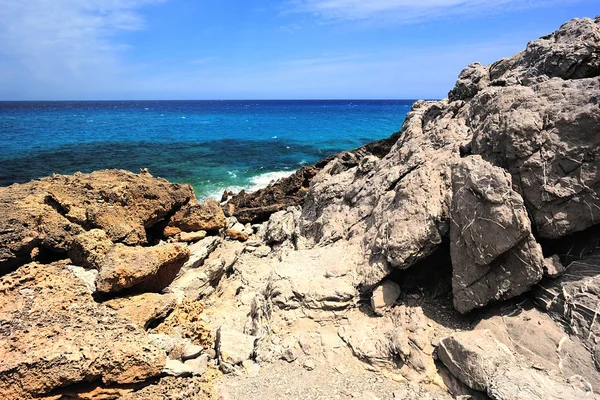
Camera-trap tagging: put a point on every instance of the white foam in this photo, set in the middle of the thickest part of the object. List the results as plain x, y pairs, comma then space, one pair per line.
258, 182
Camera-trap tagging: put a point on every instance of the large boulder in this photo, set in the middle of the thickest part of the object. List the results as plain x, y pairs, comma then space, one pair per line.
53, 334
494, 254
44, 215
207, 216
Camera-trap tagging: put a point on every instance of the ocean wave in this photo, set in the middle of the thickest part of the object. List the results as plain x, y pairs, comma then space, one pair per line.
255, 183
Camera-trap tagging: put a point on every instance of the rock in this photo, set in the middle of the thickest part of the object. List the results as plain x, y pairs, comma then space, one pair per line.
236, 235
553, 267
197, 366
199, 252
49, 212
473, 357
54, 334
535, 336
145, 308
171, 231
234, 347
145, 268
309, 364
384, 297
87, 276
290, 355
200, 217
191, 351
262, 251
483, 363
494, 254
282, 226
196, 282
89, 248
313, 280
177, 368
471, 80
191, 236
252, 368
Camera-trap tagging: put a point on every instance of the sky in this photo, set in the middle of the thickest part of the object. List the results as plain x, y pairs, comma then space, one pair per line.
260, 49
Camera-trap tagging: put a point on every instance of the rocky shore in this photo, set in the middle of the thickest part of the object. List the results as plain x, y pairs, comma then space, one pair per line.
460, 258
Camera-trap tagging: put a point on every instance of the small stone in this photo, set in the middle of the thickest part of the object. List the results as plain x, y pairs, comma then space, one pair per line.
262, 251
198, 365
384, 297
191, 351
177, 368
171, 231
553, 268
211, 353
236, 235
289, 355
190, 237
309, 364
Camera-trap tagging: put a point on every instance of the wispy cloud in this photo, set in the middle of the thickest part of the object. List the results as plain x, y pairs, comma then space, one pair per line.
58, 41
407, 11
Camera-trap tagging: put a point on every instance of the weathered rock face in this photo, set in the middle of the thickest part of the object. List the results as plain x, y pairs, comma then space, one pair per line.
535, 116
49, 212
145, 308
494, 254
54, 334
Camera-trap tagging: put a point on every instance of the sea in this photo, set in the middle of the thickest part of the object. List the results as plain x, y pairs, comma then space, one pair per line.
212, 145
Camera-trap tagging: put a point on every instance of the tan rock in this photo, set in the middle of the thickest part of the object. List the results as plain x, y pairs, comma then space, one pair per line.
49, 212
147, 268
171, 231
191, 236
384, 296
89, 248
200, 217
144, 308
236, 235
55, 334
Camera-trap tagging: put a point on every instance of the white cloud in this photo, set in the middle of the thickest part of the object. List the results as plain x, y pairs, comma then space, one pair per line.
55, 42
407, 11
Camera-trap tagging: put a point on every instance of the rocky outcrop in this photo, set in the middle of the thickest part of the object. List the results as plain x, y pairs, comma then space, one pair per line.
42, 217
145, 308
534, 116
207, 216
54, 334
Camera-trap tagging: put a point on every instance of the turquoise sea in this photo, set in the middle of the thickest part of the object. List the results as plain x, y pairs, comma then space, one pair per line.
213, 145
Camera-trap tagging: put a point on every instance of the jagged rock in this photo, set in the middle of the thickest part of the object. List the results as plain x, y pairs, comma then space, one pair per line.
484, 363
384, 297
144, 308
191, 236
282, 226
200, 217
197, 282
49, 212
234, 347
55, 334
494, 254
89, 248
145, 268
574, 297
553, 267
471, 80
535, 336
199, 252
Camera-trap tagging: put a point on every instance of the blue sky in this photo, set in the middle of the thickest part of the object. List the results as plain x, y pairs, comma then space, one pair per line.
260, 49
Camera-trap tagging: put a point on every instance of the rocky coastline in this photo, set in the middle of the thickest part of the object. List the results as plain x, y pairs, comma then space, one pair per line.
459, 258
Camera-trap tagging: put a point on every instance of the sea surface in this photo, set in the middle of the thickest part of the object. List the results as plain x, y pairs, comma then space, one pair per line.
213, 145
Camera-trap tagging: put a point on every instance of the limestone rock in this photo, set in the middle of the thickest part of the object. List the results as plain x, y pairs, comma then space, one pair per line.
198, 365
191, 351
199, 252
145, 268
144, 308
89, 248
282, 226
234, 347
494, 254
200, 217
87, 276
55, 334
177, 368
49, 212
553, 267
384, 296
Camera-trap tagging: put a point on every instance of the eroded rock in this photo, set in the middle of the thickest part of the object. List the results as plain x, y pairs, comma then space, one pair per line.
145, 308
200, 217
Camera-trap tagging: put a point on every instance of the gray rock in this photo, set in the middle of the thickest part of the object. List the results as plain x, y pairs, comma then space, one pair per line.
309, 364
262, 251
494, 254
384, 296
282, 226
199, 252
553, 267
234, 347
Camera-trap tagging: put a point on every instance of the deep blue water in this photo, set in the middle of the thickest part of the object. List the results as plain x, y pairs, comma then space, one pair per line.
213, 145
